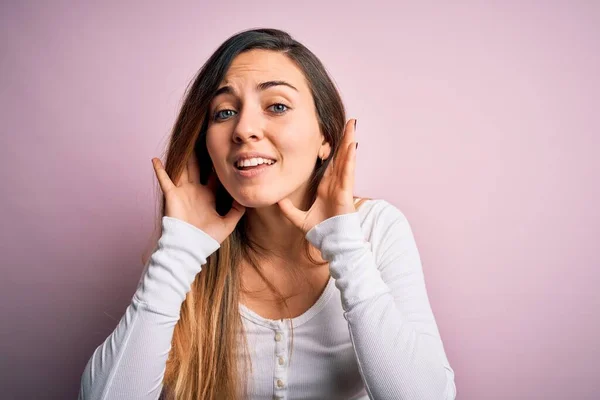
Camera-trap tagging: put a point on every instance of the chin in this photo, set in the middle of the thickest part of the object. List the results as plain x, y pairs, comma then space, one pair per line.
256, 200
256, 203
262, 195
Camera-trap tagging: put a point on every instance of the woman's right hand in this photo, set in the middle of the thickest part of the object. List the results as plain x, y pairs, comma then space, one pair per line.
194, 203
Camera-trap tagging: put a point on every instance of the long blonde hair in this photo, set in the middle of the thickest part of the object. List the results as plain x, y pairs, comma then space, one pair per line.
209, 339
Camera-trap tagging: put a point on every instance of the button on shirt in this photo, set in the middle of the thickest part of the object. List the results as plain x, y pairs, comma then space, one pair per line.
335, 358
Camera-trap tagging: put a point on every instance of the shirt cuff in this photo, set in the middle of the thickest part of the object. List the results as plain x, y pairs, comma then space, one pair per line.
351, 261
337, 235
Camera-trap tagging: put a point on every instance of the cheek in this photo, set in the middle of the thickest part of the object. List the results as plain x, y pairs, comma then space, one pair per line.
214, 148
300, 138
302, 148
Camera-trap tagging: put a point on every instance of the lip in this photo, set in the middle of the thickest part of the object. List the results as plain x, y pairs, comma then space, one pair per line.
251, 173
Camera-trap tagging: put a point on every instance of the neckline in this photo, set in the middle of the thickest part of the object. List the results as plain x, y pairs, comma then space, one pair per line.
321, 302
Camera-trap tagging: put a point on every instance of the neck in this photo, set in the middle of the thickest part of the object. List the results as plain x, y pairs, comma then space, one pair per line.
274, 232
269, 227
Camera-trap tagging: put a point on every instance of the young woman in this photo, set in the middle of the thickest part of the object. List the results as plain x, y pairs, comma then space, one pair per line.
268, 280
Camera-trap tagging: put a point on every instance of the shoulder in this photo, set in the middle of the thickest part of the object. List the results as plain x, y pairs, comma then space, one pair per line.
382, 221
378, 211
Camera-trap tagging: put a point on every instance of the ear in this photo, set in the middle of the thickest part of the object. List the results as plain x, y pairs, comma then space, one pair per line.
325, 150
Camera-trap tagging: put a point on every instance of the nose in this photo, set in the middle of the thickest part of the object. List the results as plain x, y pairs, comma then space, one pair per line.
248, 127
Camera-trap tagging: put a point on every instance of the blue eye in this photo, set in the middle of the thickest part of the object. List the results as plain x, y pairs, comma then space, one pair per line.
220, 115
280, 108
223, 115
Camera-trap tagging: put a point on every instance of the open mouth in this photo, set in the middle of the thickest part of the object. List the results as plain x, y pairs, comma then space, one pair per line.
253, 167
253, 163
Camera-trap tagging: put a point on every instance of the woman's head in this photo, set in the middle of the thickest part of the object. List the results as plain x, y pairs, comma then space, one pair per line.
265, 106
240, 102
263, 92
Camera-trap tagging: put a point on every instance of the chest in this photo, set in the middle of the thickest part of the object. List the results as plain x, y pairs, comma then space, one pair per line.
315, 360
300, 288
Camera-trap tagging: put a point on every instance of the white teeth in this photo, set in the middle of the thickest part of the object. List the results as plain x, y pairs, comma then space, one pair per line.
251, 162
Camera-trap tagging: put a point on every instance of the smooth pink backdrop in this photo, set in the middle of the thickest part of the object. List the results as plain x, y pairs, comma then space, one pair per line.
479, 120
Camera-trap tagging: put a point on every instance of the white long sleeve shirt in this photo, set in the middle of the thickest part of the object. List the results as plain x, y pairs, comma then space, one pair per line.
371, 334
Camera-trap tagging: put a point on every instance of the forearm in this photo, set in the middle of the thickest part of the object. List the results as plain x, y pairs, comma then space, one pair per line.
397, 357
130, 363
397, 344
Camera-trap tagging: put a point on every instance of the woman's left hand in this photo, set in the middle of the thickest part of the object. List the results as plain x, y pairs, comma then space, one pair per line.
335, 194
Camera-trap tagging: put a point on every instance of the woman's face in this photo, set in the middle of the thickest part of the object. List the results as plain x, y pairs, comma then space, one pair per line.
255, 111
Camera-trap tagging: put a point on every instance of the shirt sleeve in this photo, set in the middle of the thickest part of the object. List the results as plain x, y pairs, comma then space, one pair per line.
394, 334
130, 364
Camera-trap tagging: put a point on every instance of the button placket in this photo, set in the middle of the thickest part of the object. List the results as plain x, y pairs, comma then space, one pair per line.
280, 379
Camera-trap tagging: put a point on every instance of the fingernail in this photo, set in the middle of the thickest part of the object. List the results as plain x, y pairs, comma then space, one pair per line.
355, 123
357, 145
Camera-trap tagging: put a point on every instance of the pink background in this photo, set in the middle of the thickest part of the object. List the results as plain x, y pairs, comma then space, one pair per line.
479, 120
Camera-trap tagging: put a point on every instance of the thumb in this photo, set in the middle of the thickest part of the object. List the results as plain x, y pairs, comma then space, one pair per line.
235, 214
293, 214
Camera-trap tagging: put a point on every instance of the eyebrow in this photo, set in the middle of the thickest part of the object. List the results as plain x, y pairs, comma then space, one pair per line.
261, 86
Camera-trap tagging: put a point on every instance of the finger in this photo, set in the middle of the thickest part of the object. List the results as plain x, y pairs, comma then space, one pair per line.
235, 214
348, 134
347, 176
329, 170
343, 151
193, 170
163, 178
294, 215
183, 177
